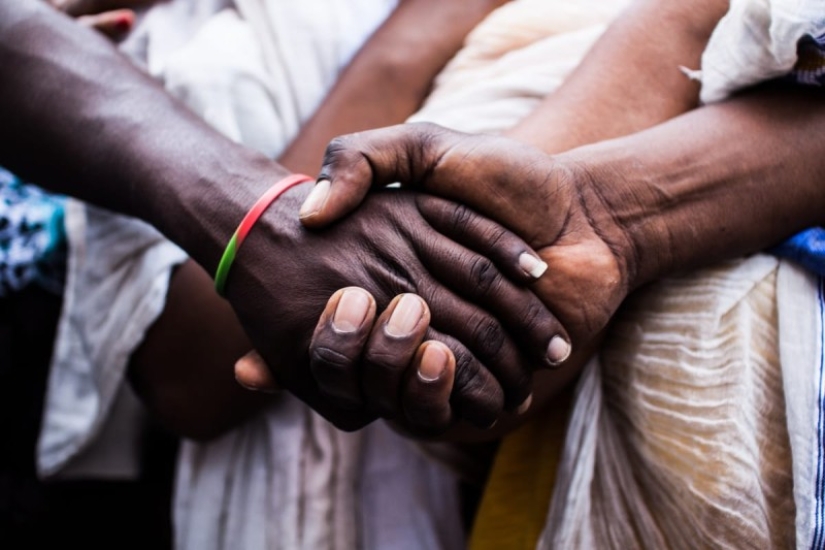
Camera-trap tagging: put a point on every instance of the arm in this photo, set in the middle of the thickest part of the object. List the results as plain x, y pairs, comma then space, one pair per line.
721, 182
714, 183
185, 375
630, 80
80, 119
65, 83
391, 76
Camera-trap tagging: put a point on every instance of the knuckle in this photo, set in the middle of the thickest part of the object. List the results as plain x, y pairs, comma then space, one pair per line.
477, 399
339, 151
536, 320
329, 362
384, 359
485, 276
460, 217
336, 146
489, 337
495, 237
468, 378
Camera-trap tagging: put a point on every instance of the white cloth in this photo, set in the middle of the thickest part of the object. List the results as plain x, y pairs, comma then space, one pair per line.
756, 41
117, 277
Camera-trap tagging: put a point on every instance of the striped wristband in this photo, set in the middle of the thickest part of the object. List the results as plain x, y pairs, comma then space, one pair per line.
246, 225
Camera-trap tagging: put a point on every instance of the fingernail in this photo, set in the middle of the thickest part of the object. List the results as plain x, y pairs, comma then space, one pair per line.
123, 24
532, 265
315, 200
558, 350
351, 311
525, 405
433, 363
405, 316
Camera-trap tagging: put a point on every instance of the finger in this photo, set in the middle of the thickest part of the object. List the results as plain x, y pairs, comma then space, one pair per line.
514, 257
475, 278
394, 340
477, 397
115, 25
76, 8
494, 355
252, 373
427, 387
357, 162
337, 344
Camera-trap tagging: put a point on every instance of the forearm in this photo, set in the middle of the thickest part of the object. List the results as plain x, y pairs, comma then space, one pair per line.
391, 76
182, 369
719, 182
630, 80
80, 119
184, 374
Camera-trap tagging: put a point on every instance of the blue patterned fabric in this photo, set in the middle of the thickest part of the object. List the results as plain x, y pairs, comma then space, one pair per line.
806, 248
32, 237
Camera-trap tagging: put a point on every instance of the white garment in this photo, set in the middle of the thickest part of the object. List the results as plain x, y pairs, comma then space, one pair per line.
756, 41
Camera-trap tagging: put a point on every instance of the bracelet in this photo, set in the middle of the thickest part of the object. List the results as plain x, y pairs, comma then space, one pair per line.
248, 221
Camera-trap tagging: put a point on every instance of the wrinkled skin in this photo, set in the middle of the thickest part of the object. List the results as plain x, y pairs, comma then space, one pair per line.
390, 247
554, 207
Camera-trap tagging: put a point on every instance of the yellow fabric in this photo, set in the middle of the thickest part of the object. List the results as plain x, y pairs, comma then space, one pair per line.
514, 507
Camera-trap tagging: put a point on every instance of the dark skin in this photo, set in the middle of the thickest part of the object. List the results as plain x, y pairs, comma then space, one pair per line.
186, 359
679, 195
151, 158
600, 100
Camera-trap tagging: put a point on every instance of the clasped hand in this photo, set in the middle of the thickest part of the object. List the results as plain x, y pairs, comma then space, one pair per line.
551, 203
489, 331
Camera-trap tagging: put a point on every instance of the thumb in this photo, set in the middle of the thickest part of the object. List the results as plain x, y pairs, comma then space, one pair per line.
355, 163
252, 373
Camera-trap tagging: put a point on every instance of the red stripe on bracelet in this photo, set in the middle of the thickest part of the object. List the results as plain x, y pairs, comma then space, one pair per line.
248, 221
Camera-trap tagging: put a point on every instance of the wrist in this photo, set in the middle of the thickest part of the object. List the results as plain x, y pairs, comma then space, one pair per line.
204, 207
609, 189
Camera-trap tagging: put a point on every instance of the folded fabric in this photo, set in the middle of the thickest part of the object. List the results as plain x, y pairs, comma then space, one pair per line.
696, 426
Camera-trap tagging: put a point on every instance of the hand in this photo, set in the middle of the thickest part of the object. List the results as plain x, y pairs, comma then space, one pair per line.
425, 386
389, 248
554, 206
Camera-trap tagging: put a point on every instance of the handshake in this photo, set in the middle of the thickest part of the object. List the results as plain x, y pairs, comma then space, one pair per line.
493, 262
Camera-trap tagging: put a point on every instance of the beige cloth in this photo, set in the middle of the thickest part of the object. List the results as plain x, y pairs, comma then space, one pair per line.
680, 431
